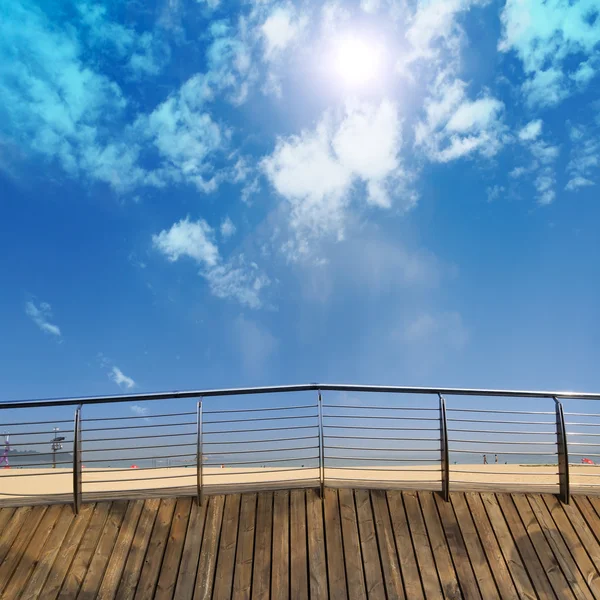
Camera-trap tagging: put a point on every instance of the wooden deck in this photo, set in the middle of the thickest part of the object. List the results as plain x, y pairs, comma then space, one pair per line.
357, 544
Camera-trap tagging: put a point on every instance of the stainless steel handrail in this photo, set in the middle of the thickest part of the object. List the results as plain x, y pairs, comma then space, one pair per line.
300, 388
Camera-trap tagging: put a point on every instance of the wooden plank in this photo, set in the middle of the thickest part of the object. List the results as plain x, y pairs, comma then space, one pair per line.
298, 554
61, 564
404, 546
48, 553
430, 580
595, 502
352, 554
589, 514
242, 581
261, 576
460, 556
93, 578
526, 550
210, 545
156, 550
280, 568
441, 553
20, 544
333, 539
6, 515
589, 530
368, 545
476, 530
509, 549
116, 563
577, 524
227, 547
78, 568
317, 567
542, 548
167, 580
9, 533
387, 546
137, 552
186, 578
13, 585
573, 530
561, 551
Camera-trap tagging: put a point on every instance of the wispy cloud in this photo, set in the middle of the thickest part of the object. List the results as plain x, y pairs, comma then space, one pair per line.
227, 228
549, 36
446, 328
235, 278
256, 345
116, 375
139, 410
281, 28
41, 316
455, 126
585, 156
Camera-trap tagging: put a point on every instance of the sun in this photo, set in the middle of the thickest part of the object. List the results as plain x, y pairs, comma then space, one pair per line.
357, 61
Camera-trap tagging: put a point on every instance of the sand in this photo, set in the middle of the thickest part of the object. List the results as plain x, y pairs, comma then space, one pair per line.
40, 483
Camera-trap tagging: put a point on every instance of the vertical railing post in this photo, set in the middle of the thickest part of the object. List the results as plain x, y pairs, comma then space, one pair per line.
445, 462
563, 454
199, 457
77, 461
321, 449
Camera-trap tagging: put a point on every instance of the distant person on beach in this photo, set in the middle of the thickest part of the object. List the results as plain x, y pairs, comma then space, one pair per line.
485, 459
496, 458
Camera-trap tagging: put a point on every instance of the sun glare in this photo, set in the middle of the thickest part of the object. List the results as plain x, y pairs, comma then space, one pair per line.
357, 61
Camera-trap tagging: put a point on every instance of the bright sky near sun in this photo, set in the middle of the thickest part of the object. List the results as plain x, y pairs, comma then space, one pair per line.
201, 193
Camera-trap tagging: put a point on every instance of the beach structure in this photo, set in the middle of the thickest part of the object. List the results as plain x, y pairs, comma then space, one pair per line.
306, 491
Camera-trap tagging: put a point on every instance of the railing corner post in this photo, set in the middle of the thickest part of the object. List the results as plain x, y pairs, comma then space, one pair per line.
321, 449
199, 457
445, 462
563, 455
77, 492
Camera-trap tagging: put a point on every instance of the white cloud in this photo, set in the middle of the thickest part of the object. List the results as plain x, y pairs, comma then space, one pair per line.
227, 228
281, 28
585, 156
236, 278
141, 411
531, 131
317, 170
547, 36
455, 126
116, 375
188, 238
41, 316
256, 345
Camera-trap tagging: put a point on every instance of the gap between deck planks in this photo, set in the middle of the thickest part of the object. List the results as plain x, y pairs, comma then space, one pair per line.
291, 544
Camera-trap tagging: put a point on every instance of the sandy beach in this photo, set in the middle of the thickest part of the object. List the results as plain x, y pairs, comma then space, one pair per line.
38, 484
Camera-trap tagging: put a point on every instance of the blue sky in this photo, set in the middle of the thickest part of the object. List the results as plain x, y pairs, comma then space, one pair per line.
206, 194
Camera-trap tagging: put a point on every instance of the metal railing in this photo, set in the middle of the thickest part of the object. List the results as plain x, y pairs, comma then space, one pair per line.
315, 435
